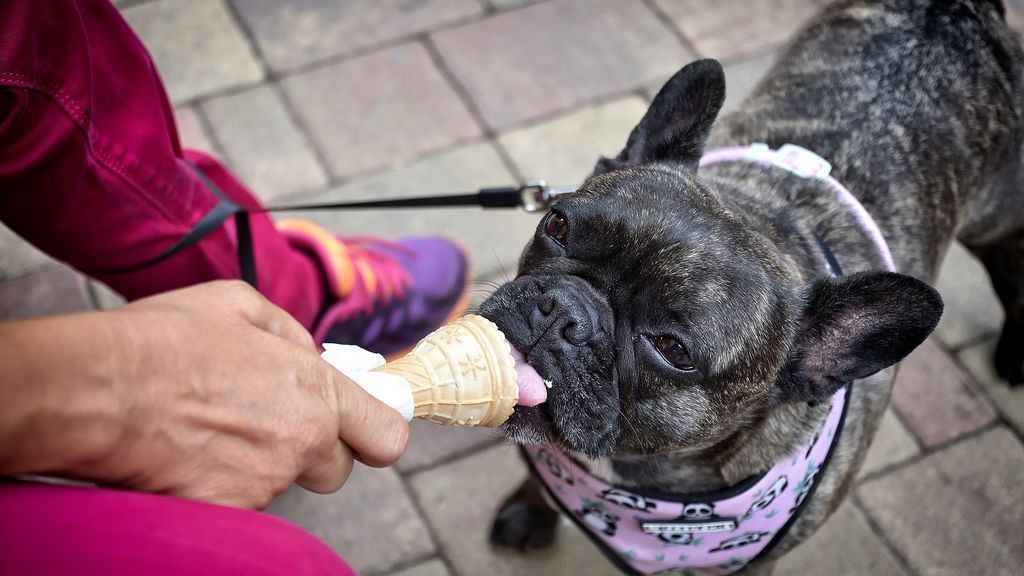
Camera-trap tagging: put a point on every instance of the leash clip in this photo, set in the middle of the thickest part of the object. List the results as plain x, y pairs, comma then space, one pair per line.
537, 196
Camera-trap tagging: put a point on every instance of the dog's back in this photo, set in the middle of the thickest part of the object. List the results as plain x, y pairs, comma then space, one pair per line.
917, 105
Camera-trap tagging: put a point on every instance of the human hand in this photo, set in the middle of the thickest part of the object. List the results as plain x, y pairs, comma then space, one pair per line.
218, 395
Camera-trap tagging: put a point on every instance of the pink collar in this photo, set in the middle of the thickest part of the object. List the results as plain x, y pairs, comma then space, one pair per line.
806, 164
719, 533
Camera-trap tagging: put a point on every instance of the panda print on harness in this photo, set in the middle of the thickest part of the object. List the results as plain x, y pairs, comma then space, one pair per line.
691, 512
739, 541
803, 488
698, 511
676, 538
764, 501
627, 500
594, 514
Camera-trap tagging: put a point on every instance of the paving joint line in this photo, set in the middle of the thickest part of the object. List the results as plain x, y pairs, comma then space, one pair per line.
882, 536
905, 423
337, 180
319, 156
468, 102
92, 292
980, 389
972, 342
250, 37
666, 20
31, 269
330, 60
454, 456
403, 565
215, 142
132, 3
439, 551
272, 81
948, 444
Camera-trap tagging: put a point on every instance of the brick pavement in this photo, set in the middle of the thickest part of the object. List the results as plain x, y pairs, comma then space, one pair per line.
318, 99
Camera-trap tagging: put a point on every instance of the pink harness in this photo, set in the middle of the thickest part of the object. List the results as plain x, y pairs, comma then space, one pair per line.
718, 533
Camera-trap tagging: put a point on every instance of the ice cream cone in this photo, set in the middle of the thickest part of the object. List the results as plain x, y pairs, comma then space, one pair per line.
462, 374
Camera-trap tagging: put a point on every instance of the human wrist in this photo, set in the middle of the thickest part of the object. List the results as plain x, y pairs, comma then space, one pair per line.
61, 412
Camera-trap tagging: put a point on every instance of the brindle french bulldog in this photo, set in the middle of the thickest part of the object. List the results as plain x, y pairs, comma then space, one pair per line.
686, 317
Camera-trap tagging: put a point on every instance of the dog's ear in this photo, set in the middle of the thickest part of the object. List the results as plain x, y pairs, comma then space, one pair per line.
677, 124
854, 326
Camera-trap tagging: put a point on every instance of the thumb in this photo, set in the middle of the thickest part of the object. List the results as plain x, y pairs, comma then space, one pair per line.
376, 433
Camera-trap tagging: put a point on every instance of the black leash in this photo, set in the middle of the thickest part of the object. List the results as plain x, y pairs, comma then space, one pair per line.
533, 196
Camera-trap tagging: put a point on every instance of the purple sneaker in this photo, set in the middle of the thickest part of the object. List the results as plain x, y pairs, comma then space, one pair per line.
383, 296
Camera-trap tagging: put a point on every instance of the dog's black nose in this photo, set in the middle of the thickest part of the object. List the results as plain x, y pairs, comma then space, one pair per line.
562, 311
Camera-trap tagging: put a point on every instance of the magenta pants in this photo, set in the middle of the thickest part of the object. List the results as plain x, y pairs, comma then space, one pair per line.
92, 172
63, 530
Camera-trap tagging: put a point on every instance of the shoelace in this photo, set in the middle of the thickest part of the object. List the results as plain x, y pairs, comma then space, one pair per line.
383, 278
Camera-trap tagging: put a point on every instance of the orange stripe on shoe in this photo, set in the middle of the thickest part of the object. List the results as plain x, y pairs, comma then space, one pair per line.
340, 260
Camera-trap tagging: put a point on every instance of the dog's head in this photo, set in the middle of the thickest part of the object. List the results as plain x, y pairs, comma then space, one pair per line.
663, 322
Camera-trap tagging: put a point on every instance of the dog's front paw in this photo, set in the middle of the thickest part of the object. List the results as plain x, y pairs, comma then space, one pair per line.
524, 523
1009, 358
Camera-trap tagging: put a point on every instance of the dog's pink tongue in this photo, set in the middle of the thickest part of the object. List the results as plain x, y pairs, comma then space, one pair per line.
532, 390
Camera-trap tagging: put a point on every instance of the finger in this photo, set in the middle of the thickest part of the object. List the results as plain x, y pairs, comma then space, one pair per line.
376, 433
329, 473
263, 314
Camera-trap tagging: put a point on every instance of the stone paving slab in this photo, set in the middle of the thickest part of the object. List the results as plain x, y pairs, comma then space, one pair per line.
432, 568
741, 78
492, 238
936, 398
460, 500
958, 511
734, 29
55, 291
193, 134
430, 443
101, 296
547, 57
845, 546
563, 150
18, 257
197, 45
892, 444
371, 522
1009, 401
1014, 13
379, 110
263, 144
295, 33
972, 309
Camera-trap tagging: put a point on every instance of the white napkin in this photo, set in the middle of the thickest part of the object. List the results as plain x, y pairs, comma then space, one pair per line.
356, 363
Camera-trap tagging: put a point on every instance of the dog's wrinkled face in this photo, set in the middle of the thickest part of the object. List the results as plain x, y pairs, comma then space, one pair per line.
657, 317
664, 323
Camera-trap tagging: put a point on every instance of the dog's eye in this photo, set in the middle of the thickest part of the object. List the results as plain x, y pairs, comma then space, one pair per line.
674, 352
557, 227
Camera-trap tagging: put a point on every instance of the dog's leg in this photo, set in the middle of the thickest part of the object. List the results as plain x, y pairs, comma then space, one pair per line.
1004, 260
525, 521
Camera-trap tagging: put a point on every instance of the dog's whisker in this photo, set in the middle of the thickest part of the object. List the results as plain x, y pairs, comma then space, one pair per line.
504, 273
639, 438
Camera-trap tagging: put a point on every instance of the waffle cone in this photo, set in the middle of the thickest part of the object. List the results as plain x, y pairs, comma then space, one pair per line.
462, 374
